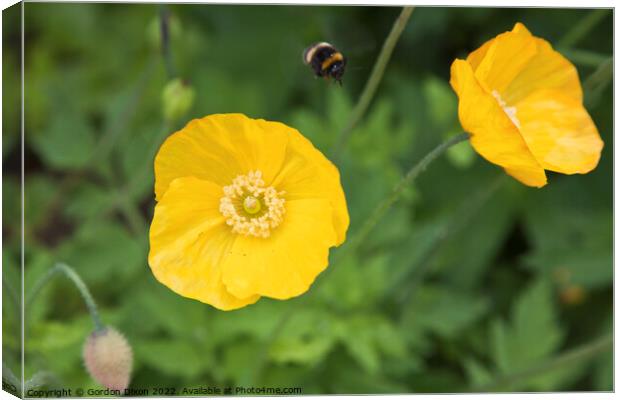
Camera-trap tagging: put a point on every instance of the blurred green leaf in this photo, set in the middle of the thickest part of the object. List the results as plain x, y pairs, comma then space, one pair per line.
53, 335
104, 252
532, 336
181, 358
372, 340
307, 337
67, 143
443, 311
87, 201
462, 155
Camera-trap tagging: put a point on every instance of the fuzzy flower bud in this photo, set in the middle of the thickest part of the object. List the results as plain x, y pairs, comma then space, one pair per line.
177, 99
108, 358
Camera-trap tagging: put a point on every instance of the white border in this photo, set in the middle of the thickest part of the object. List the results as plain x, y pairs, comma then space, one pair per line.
457, 3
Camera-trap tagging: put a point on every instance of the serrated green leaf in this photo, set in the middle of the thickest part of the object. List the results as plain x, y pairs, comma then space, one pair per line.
442, 311
532, 337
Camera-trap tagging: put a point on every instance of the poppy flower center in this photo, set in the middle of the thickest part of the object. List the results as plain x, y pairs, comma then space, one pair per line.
251, 208
251, 205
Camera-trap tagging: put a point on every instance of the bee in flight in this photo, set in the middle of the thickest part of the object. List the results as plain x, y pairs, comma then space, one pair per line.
325, 61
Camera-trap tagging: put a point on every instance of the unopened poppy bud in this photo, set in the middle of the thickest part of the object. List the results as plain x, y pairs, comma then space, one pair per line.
177, 99
108, 358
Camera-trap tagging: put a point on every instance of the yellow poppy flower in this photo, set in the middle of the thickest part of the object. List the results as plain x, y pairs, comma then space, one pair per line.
521, 103
245, 208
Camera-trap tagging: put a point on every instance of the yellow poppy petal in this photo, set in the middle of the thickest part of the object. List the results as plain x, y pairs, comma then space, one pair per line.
285, 264
475, 57
188, 239
547, 69
559, 132
219, 147
493, 134
307, 174
505, 58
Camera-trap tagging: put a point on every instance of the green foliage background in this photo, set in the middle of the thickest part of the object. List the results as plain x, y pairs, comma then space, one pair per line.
471, 277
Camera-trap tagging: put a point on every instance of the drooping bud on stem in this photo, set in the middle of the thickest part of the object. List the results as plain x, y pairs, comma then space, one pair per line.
108, 358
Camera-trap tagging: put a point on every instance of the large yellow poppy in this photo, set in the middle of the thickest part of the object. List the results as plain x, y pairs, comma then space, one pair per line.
522, 104
246, 208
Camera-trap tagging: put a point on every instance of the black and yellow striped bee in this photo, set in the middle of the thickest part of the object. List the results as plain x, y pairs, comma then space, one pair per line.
325, 61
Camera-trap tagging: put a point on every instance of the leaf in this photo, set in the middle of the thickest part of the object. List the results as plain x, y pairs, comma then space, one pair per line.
580, 253
176, 358
477, 374
575, 250
441, 102
39, 190
306, 338
368, 337
257, 321
521, 343
604, 373
88, 200
444, 311
532, 336
365, 282
339, 107
53, 335
476, 232
461, 155
104, 252
67, 143
162, 310
240, 361
11, 204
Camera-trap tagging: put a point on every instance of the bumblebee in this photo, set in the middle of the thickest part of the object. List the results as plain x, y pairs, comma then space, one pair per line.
325, 61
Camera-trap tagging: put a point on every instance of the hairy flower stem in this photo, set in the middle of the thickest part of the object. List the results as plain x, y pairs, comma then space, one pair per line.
79, 284
575, 356
373, 81
164, 29
383, 207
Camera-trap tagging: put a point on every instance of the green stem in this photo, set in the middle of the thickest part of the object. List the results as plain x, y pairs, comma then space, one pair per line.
79, 284
579, 355
373, 81
164, 27
582, 28
383, 207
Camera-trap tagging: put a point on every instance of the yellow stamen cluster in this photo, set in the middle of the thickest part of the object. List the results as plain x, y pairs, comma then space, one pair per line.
251, 208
